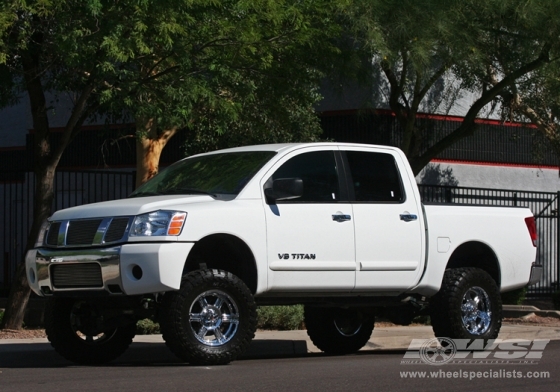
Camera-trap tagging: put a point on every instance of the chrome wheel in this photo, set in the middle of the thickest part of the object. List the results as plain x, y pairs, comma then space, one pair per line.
211, 319
476, 311
85, 321
468, 305
86, 331
338, 331
214, 318
348, 326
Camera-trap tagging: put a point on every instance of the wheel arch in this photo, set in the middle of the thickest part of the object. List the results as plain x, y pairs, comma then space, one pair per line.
225, 252
478, 255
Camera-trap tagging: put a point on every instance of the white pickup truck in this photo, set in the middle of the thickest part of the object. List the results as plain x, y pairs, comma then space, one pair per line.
339, 228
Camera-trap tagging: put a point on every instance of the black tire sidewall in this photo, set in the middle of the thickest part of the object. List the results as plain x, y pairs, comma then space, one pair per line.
67, 343
176, 328
321, 329
224, 287
445, 308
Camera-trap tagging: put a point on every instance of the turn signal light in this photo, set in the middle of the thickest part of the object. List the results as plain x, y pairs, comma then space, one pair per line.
176, 223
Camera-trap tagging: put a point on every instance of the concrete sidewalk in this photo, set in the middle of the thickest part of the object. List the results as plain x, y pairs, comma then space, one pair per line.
296, 343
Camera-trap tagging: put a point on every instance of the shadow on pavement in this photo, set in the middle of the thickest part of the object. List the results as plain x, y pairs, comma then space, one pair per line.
42, 355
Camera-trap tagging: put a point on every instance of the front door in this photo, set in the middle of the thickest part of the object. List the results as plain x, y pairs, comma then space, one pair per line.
311, 238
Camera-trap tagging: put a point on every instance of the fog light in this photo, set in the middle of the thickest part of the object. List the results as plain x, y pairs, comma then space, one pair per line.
137, 272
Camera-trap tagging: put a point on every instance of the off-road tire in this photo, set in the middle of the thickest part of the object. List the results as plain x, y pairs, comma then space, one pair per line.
65, 330
211, 320
468, 306
338, 331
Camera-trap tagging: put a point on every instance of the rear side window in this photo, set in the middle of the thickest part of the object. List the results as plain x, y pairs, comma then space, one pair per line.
319, 174
375, 177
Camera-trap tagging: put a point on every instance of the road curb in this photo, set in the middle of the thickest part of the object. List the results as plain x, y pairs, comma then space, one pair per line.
518, 311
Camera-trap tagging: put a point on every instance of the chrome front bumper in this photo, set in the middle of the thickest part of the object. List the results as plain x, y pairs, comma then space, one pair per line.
129, 269
97, 270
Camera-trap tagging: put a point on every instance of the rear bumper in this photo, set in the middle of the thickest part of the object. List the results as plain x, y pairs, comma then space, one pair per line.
536, 273
129, 269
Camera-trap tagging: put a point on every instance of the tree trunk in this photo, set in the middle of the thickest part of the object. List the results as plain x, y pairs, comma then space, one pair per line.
19, 289
149, 145
45, 163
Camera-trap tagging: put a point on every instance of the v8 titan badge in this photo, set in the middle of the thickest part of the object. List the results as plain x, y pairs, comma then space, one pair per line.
296, 256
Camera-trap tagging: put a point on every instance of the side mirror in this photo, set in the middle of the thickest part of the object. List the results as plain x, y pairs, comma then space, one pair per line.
283, 189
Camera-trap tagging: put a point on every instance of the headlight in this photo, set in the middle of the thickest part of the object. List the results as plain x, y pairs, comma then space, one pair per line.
42, 231
158, 223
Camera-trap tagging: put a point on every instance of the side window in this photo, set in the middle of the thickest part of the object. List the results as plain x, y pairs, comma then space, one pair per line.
319, 174
375, 177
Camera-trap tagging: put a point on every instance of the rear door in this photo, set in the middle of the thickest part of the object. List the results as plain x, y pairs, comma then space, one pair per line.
310, 239
388, 226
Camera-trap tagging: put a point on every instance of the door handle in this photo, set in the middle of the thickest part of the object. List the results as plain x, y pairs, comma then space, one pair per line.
408, 217
341, 217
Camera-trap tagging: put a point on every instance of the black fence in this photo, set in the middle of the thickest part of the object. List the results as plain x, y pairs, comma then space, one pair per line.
81, 187
71, 188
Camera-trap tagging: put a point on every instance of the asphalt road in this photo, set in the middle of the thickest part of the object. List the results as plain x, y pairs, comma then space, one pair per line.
151, 367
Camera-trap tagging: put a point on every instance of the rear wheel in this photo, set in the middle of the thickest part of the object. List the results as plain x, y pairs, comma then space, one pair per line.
338, 331
468, 306
80, 332
211, 320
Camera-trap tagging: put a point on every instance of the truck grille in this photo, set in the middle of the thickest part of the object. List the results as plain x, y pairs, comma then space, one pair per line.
87, 232
116, 229
76, 276
82, 232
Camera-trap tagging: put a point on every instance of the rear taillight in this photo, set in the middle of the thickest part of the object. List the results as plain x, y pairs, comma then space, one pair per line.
532, 227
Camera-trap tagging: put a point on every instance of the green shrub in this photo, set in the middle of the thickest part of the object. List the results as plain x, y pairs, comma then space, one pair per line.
1, 316
515, 297
147, 327
281, 318
555, 300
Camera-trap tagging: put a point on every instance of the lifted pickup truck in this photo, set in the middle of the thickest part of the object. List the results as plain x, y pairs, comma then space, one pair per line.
337, 227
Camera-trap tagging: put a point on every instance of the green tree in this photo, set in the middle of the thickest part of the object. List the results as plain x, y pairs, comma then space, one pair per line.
47, 47
433, 51
237, 71
536, 99
228, 71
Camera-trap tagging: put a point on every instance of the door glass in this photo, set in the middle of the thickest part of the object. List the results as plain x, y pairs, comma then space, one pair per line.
318, 171
375, 177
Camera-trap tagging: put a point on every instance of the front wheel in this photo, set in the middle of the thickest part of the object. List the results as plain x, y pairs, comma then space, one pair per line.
468, 306
82, 331
338, 331
211, 319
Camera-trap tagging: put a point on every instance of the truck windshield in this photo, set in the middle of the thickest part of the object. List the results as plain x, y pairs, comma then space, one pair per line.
221, 176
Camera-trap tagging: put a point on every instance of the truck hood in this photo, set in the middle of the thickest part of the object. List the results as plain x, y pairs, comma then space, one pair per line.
130, 207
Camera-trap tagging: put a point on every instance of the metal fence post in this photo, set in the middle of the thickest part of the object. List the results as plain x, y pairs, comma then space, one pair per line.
557, 241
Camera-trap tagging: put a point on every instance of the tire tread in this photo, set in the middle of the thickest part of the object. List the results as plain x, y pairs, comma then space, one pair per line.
174, 326
445, 310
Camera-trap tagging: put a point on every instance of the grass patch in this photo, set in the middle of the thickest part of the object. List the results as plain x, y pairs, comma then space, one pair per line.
280, 318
